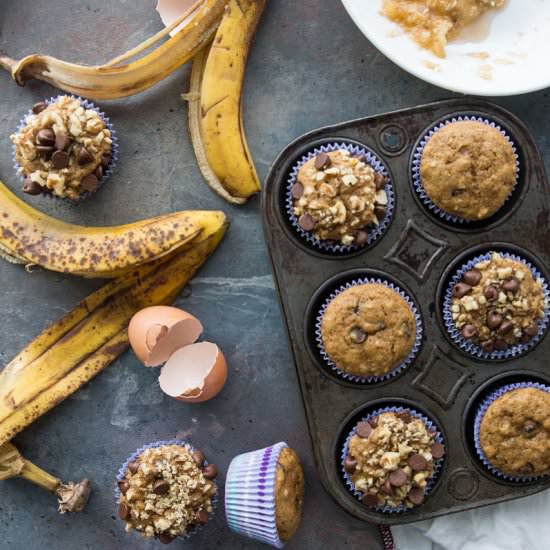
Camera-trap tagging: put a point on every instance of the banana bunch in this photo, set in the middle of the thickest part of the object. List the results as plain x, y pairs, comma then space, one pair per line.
72, 350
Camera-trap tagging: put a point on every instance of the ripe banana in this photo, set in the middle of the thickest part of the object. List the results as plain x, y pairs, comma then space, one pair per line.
112, 80
82, 343
215, 104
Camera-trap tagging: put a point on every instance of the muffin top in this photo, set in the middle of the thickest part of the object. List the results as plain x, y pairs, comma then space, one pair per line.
515, 432
63, 149
468, 169
391, 458
338, 197
289, 493
368, 330
166, 492
498, 303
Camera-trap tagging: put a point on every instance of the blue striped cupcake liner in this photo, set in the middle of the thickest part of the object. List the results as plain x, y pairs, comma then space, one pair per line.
250, 494
370, 379
437, 464
135, 455
470, 347
477, 426
374, 232
417, 158
108, 170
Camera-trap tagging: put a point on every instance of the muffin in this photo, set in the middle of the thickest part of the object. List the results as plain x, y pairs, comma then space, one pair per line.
498, 303
368, 330
64, 147
514, 431
391, 459
468, 169
338, 197
166, 491
264, 494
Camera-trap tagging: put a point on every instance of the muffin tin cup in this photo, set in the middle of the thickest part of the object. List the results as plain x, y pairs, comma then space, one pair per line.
108, 170
417, 159
183, 443
437, 464
370, 158
370, 379
477, 425
470, 347
250, 494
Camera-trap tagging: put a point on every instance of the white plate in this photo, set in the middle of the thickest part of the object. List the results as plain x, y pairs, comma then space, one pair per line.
505, 52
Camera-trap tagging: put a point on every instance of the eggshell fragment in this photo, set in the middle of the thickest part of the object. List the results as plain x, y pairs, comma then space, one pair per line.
194, 373
170, 10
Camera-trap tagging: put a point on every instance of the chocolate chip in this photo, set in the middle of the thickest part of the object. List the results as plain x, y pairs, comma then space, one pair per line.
501, 344
45, 151
361, 238
527, 468
198, 457
490, 292
161, 487
380, 181
99, 172
531, 330
297, 191
306, 222
202, 517
511, 285
350, 464
165, 538
417, 462
530, 427
210, 471
416, 495
60, 160
38, 107
123, 510
469, 331
45, 136
379, 212
123, 485
438, 450
133, 466
370, 500
105, 160
505, 327
32, 187
363, 429
322, 161
472, 277
357, 335
488, 346
405, 416
398, 477
89, 183
387, 488
83, 157
494, 320
461, 289
373, 421
62, 141
457, 191
525, 339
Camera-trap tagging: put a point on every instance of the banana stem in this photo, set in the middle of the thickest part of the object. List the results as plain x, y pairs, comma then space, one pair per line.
39, 476
7, 63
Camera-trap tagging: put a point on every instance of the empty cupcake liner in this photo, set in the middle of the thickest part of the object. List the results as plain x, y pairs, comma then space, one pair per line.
417, 158
370, 379
437, 464
107, 172
135, 455
250, 494
477, 425
374, 233
470, 347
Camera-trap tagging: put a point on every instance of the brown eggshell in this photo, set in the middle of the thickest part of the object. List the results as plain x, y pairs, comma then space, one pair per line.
195, 373
157, 331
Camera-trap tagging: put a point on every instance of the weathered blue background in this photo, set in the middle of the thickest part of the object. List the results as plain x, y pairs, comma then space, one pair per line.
309, 67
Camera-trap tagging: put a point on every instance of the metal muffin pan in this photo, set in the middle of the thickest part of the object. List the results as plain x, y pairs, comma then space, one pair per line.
418, 252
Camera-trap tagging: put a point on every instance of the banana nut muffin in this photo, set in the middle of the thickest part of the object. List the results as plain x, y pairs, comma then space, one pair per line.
515, 432
338, 197
498, 303
468, 169
391, 459
166, 492
63, 149
368, 330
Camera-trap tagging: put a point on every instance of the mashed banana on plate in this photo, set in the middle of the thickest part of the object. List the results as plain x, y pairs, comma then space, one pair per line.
432, 23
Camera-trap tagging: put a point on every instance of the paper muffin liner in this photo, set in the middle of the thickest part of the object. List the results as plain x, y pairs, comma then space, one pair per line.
369, 379
374, 233
250, 494
471, 347
482, 409
107, 171
437, 464
183, 443
417, 158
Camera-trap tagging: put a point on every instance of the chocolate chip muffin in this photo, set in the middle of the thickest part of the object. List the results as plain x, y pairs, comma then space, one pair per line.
63, 149
514, 432
390, 459
498, 303
338, 197
468, 169
166, 492
368, 330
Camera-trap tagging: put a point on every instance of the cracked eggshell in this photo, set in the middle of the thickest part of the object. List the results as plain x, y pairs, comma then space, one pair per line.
156, 332
195, 373
170, 10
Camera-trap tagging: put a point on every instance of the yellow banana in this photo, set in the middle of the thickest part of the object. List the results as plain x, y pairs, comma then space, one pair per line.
81, 344
215, 104
112, 80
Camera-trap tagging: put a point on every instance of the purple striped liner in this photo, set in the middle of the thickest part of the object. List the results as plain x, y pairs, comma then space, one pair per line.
250, 494
417, 158
107, 172
370, 379
369, 158
477, 425
470, 347
136, 454
437, 464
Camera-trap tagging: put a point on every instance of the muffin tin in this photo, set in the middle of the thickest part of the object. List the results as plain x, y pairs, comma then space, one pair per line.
419, 252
